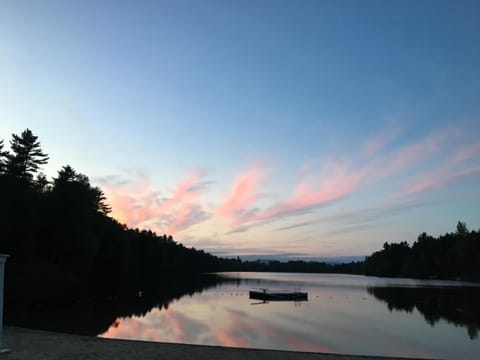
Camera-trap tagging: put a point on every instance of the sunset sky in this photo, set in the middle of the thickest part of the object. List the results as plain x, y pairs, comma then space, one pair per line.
287, 128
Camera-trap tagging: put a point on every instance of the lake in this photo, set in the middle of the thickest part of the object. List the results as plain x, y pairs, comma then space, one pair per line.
344, 314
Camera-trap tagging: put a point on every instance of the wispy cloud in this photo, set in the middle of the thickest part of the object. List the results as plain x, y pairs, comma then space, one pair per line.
135, 203
439, 179
334, 182
243, 195
461, 162
187, 216
314, 189
375, 171
346, 221
322, 183
416, 153
244, 192
131, 202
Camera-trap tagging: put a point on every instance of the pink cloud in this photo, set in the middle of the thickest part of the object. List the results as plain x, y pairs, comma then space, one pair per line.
334, 182
463, 164
185, 192
319, 183
440, 180
187, 216
131, 204
137, 205
243, 195
337, 179
433, 145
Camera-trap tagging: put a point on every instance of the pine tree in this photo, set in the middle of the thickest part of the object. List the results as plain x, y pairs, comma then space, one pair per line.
26, 157
69, 181
3, 158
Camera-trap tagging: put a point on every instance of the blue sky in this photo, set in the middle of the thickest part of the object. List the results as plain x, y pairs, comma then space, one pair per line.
302, 128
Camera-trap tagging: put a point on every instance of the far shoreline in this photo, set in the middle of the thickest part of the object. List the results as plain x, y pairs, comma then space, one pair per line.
473, 282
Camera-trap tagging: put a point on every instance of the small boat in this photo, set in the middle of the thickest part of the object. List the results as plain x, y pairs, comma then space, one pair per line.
278, 295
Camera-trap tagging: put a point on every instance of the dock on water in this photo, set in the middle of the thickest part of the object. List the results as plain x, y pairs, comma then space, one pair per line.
277, 295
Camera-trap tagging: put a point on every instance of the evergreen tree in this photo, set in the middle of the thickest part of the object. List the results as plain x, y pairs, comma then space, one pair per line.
78, 185
462, 228
3, 158
100, 201
26, 157
42, 185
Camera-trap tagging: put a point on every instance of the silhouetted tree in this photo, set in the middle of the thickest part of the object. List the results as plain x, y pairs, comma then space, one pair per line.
3, 158
101, 201
20, 208
41, 184
26, 156
462, 229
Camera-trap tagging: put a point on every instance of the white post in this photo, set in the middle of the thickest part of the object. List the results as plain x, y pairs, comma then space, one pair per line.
3, 259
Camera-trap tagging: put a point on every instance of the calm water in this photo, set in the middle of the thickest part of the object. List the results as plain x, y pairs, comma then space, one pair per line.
344, 314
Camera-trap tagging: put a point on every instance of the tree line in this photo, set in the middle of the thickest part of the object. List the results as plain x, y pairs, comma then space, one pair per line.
454, 255
291, 266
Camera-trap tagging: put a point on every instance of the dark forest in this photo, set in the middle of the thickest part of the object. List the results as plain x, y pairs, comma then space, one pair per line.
62, 241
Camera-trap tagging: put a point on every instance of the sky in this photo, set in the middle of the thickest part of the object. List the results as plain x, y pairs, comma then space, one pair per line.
296, 129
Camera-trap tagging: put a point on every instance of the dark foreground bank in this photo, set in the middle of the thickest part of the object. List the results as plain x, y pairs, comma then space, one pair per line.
40, 345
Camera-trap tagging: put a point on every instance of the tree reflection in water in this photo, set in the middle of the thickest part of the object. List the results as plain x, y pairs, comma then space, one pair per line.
94, 315
457, 305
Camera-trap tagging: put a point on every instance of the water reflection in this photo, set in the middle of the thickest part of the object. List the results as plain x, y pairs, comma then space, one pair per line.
457, 305
95, 315
344, 314
221, 316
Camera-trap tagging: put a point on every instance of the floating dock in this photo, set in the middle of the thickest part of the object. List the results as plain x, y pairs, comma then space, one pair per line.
278, 295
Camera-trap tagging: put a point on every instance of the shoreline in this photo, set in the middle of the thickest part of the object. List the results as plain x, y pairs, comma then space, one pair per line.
29, 344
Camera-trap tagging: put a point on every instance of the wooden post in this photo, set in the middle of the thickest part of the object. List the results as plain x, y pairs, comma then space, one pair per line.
3, 259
